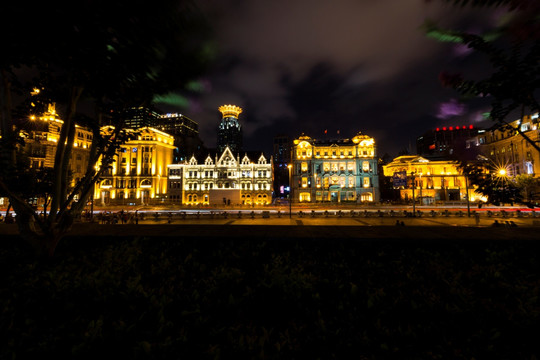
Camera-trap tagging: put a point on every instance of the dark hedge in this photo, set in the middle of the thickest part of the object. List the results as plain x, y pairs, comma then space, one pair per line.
167, 298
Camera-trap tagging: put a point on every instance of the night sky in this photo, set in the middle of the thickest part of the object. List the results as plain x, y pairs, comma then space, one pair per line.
306, 66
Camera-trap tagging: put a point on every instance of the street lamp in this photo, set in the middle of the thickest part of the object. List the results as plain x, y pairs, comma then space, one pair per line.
413, 199
467, 196
290, 190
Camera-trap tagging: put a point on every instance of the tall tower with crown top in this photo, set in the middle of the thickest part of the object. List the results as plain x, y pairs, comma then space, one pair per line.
230, 130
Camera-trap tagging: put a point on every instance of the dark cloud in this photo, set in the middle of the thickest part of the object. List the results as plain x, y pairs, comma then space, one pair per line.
342, 65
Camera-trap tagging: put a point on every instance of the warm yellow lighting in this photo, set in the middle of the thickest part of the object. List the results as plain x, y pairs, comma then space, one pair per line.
230, 110
502, 172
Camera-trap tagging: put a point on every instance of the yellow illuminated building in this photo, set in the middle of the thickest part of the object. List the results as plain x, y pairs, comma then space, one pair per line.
139, 173
230, 111
343, 170
42, 136
507, 148
434, 181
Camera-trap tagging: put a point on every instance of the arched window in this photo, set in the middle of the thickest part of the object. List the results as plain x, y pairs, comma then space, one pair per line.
107, 183
367, 196
305, 196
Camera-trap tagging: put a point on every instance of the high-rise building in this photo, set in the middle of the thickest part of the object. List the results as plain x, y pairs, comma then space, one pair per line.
282, 149
282, 158
138, 117
177, 125
230, 130
448, 142
339, 171
186, 135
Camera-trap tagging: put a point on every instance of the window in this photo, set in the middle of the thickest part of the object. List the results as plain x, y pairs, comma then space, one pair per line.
326, 167
326, 182
366, 182
304, 182
367, 197
529, 167
351, 181
304, 167
365, 166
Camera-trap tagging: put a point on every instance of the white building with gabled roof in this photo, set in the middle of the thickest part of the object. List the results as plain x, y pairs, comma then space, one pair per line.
221, 179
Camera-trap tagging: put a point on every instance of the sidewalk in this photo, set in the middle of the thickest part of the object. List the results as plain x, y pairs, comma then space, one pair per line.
451, 228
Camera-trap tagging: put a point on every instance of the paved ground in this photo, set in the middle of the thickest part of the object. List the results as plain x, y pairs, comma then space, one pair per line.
441, 227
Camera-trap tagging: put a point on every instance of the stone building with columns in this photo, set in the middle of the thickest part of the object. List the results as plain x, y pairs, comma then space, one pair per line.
138, 175
335, 171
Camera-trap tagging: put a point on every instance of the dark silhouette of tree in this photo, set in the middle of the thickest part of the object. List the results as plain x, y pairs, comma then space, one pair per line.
108, 54
513, 51
497, 188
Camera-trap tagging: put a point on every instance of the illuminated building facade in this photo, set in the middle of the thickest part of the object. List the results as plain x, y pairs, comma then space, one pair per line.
230, 130
41, 137
139, 117
448, 142
222, 179
337, 171
185, 132
434, 181
139, 173
177, 125
505, 147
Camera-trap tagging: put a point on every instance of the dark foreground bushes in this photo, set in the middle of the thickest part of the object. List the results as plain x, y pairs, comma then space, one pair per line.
164, 298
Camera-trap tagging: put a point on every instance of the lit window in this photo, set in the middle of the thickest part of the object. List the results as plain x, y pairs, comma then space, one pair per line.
366, 182
326, 167
365, 166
